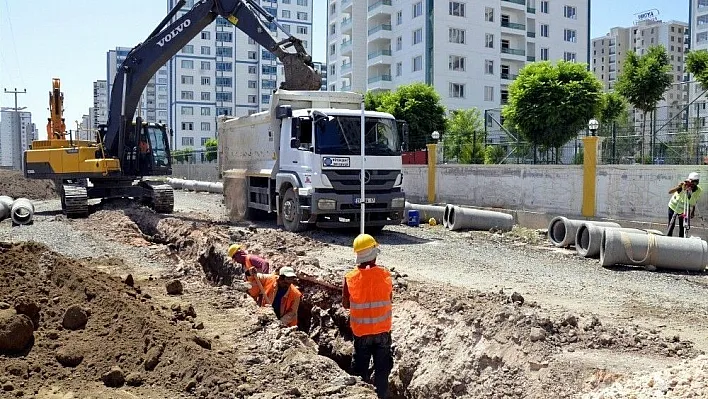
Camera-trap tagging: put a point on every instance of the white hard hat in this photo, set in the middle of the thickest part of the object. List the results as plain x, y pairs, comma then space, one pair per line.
694, 176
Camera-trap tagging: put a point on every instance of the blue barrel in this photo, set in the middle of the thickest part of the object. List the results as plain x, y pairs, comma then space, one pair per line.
413, 218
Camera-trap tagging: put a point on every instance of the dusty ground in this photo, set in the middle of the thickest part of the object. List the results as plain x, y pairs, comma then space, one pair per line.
13, 184
571, 329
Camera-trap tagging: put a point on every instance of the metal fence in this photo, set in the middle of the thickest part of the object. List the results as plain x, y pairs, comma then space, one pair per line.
191, 156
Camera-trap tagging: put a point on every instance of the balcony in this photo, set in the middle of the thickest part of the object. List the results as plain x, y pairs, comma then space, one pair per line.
379, 28
380, 7
379, 53
514, 2
346, 88
345, 69
346, 47
380, 32
530, 10
513, 51
380, 78
346, 25
512, 25
530, 34
530, 58
379, 57
508, 76
346, 5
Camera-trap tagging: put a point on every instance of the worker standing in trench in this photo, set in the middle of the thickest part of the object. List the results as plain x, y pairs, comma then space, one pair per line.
688, 190
368, 294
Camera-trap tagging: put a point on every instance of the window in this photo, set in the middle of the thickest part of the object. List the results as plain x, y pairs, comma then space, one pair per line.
302, 3
457, 90
206, 81
332, 49
488, 40
399, 43
224, 51
252, 84
187, 64
544, 54
285, 14
187, 95
224, 96
489, 14
570, 12
569, 35
252, 55
332, 8
399, 17
265, 98
206, 96
544, 30
418, 9
187, 141
252, 69
206, 111
567, 56
206, 126
333, 29
268, 84
417, 63
187, 80
224, 66
187, 110
205, 66
224, 37
302, 16
544, 6
488, 67
206, 50
399, 68
206, 35
488, 93
456, 35
188, 49
223, 81
269, 70
302, 30
286, 28
188, 126
223, 111
417, 35
251, 99
333, 69
457, 9
456, 63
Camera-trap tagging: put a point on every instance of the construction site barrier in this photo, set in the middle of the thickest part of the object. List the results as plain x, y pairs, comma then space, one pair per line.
459, 218
623, 248
562, 231
22, 211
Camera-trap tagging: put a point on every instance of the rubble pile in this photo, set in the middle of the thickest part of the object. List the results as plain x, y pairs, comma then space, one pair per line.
14, 184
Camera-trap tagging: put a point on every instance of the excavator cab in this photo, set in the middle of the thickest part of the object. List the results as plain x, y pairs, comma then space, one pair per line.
148, 151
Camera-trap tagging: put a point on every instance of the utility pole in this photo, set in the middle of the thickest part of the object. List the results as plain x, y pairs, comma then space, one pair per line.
17, 158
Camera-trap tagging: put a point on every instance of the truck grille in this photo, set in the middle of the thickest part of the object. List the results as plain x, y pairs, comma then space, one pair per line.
348, 180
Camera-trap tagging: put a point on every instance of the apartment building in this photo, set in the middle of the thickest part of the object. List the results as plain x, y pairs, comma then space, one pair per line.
8, 135
321, 68
610, 51
223, 71
468, 51
697, 39
99, 112
153, 102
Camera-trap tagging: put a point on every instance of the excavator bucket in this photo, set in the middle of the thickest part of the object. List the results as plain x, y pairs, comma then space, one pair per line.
298, 74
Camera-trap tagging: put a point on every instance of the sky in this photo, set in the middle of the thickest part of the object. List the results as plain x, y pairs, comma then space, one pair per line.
44, 39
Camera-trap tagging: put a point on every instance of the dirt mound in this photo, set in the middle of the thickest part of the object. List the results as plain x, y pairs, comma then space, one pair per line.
14, 184
127, 338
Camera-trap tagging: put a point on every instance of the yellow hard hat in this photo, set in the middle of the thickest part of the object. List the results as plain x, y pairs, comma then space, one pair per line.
363, 242
232, 250
432, 222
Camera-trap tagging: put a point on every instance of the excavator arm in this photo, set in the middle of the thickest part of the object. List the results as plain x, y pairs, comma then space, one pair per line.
56, 127
165, 41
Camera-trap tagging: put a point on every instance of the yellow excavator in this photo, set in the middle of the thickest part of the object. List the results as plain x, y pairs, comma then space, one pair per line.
56, 126
128, 149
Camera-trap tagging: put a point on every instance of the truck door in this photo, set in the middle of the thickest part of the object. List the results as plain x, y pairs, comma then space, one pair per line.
301, 145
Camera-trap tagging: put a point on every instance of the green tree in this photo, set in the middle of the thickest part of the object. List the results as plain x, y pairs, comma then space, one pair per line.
644, 80
178, 156
373, 100
211, 146
464, 135
419, 105
188, 153
493, 154
612, 107
697, 65
549, 104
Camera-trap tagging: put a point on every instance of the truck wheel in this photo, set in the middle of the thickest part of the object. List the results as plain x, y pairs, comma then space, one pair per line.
291, 215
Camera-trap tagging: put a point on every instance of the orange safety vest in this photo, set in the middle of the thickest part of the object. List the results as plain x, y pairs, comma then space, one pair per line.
254, 291
369, 300
270, 286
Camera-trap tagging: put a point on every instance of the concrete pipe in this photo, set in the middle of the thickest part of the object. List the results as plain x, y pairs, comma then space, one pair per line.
426, 211
5, 206
446, 216
476, 219
22, 211
189, 185
621, 248
589, 237
175, 183
216, 188
561, 230
202, 186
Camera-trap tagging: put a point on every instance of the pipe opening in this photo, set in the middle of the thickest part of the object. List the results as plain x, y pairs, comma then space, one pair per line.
451, 217
582, 240
21, 215
557, 231
602, 247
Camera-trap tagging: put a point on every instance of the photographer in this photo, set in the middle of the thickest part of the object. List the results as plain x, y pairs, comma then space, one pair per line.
688, 190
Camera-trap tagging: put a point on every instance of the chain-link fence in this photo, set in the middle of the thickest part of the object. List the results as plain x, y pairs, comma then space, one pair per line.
191, 156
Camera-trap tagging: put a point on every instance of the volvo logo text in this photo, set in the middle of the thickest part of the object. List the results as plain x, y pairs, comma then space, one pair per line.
174, 32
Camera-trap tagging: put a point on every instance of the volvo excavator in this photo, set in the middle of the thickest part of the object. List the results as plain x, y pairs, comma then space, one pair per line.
127, 150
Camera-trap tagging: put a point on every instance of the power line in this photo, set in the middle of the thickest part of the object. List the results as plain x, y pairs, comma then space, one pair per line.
14, 46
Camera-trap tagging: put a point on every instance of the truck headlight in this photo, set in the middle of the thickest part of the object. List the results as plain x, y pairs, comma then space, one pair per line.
327, 204
399, 180
398, 203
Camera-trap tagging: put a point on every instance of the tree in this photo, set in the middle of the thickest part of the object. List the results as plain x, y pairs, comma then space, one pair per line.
493, 154
644, 80
373, 100
697, 65
464, 136
211, 146
549, 104
420, 106
178, 156
612, 107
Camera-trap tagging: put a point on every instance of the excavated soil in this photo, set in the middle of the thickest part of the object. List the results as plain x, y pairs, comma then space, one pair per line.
14, 184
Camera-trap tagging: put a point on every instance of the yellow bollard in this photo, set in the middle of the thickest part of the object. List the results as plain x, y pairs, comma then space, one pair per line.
432, 166
590, 148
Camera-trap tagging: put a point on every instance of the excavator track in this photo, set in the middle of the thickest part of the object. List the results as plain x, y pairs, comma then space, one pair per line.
162, 198
74, 201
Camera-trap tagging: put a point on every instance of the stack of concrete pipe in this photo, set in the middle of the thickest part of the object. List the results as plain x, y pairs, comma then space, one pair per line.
562, 231
194, 185
21, 210
459, 218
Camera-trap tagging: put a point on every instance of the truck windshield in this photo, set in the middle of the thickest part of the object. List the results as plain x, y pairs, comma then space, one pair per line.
341, 135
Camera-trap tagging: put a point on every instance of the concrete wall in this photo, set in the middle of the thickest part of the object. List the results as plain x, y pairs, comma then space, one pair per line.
196, 171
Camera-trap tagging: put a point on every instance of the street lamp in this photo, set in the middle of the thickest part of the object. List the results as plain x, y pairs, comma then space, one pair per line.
593, 125
435, 136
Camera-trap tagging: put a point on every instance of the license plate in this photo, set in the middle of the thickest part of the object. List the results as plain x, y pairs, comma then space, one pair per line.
366, 200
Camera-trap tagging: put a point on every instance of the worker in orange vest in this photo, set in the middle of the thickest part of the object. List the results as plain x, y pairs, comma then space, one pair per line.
251, 264
367, 293
282, 294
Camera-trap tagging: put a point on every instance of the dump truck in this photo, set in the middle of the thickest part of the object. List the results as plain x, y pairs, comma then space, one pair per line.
301, 160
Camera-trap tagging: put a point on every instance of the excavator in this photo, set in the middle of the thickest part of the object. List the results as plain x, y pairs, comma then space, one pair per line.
128, 149
56, 126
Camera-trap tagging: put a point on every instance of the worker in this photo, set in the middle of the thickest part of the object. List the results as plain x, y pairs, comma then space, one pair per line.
143, 153
282, 294
688, 190
368, 292
259, 265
